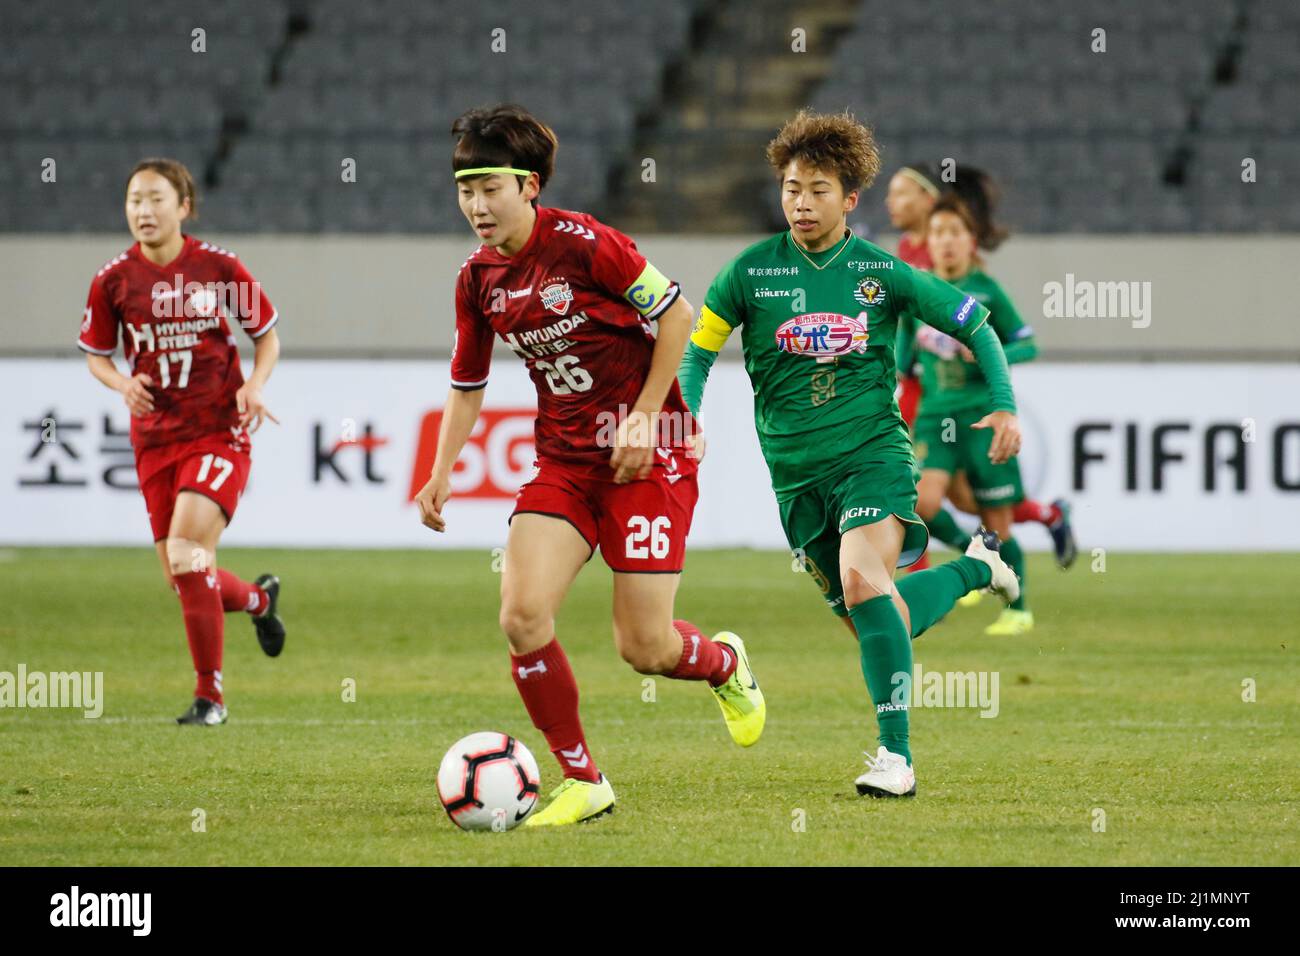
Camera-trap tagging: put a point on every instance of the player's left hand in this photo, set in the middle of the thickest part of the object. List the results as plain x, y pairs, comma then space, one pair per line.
1006, 435
634, 448
695, 446
248, 401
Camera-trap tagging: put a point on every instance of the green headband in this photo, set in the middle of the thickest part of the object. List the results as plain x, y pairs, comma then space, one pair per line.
488, 170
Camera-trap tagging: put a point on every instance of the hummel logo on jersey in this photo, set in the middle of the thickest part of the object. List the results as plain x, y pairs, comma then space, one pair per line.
576, 758
567, 225
518, 293
672, 479
538, 668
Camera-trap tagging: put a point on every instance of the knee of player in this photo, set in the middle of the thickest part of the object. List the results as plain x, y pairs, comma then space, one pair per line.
858, 590
185, 556
643, 657
928, 504
520, 621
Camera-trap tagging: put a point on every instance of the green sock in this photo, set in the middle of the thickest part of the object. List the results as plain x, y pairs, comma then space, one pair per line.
1015, 559
943, 527
886, 652
930, 594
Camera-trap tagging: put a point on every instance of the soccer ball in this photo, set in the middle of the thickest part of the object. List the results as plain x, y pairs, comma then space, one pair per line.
488, 781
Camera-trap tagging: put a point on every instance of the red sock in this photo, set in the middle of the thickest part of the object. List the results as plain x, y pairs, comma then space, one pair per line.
237, 595
702, 659
550, 694
922, 563
1029, 510
205, 629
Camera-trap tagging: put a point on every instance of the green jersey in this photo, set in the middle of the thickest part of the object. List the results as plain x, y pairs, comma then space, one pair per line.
950, 382
818, 332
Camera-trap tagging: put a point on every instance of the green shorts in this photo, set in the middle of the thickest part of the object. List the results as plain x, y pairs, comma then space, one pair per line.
815, 518
966, 449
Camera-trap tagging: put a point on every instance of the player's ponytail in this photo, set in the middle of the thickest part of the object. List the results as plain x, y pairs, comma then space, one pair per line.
504, 135
176, 173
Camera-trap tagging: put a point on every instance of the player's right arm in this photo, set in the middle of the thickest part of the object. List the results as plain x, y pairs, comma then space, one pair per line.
722, 312
458, 418
471, 358
98, 340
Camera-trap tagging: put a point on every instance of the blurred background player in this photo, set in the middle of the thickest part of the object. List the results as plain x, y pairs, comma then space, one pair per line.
575, 300
954, 395
171, 299
911, 195
818, 309
917, 187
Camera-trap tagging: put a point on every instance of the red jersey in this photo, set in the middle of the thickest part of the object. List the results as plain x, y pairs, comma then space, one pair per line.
176, 323
576, 304
915, 254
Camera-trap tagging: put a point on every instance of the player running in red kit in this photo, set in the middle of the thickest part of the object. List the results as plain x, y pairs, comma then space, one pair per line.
173, 301
575, 300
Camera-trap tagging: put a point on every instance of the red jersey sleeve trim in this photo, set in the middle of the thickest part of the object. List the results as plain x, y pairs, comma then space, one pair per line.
671, 296
275, 317
86, 348
468, 386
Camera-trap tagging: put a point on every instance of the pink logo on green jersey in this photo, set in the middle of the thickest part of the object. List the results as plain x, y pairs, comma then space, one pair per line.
822, 333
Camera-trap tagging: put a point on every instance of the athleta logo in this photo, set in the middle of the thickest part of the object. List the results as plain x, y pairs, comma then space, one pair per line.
557, 296
823, 333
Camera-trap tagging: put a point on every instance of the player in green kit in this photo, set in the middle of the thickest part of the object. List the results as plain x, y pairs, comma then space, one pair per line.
955, 394
818, 312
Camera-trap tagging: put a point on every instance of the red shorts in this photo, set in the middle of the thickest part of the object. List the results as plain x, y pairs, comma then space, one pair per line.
215, 467
640, 526
909, 397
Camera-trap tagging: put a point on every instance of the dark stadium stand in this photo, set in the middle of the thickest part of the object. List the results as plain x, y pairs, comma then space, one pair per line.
289, 89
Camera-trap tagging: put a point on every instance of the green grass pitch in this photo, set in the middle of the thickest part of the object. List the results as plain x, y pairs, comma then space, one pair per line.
1127, 699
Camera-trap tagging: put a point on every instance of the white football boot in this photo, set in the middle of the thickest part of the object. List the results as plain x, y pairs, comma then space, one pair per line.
984, 547
888, 775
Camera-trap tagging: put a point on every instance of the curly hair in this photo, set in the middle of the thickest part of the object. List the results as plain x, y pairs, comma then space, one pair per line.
834, 142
